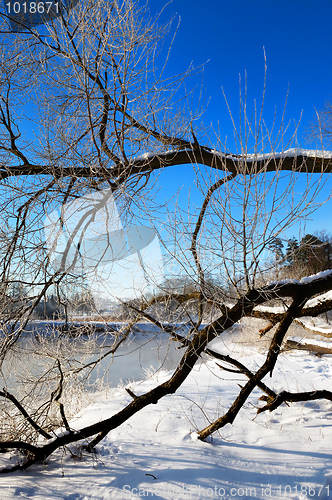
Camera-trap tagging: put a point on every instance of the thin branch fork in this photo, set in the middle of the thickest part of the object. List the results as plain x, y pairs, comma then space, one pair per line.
57, 398
7, 395
266, 368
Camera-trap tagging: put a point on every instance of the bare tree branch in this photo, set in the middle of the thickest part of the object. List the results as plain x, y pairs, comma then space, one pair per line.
288, 397
7, 395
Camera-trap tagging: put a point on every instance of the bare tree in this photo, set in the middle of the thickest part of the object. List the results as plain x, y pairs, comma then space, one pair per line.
321, 128
102, 116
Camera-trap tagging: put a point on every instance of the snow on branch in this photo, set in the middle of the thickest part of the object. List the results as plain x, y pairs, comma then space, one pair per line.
298, 160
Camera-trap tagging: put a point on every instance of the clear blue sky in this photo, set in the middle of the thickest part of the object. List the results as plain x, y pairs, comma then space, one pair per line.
229, 38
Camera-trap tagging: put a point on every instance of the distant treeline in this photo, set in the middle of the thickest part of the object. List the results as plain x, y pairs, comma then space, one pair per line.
310, 255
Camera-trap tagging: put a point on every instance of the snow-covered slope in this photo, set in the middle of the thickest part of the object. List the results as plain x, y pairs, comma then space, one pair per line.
285, 454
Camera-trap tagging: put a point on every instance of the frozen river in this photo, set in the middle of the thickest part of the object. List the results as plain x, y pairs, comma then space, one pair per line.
145, 350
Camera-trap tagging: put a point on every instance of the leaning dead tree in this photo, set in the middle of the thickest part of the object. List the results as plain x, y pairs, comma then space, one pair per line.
299, 293
87, 113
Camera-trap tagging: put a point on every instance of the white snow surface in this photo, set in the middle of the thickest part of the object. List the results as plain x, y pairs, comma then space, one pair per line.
320, 299
310, 342
313, 277
285, 454
289, 153
293, 153
304, 280
318, 325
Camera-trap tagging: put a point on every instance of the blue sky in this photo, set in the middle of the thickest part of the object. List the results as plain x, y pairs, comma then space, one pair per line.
229, 38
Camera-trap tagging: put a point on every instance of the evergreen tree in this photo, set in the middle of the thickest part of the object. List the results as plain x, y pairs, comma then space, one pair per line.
292, 252
312, 255
276, 247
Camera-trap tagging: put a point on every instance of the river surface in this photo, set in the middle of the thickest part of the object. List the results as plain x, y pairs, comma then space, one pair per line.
146, 350
139, 355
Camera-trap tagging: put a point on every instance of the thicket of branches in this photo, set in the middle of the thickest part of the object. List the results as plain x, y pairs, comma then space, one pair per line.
85, 106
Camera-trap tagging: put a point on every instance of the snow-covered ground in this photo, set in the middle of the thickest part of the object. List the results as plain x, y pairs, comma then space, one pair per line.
285, 454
